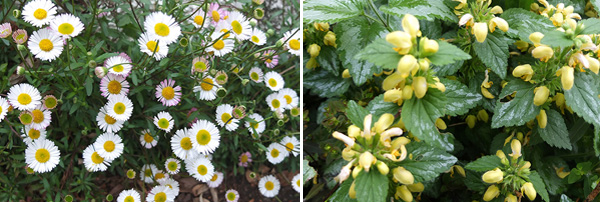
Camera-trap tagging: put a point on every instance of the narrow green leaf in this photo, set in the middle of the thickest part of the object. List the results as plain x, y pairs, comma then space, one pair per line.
356, 113
539, 186
380, 53
331, 11
435, 161
325, 84
592, 25
460, 97
583, 98
89, 83
484, 163
556, 39
555, 133
493, 52
423, 9
371, 186
419, 116
520, 109
448, 54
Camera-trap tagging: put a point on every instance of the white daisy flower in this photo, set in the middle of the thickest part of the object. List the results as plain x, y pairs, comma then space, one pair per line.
240, 26
164, 121
274, 81
109, 146
31, 134
200, 19
276, 153
172, 165
42, 155
182, 146
290, 96
39, 12
24, 97
293, 43
221, 46
205, 137
216, 180
159, 174
207, 90
107, 123
224, 118
223, 28
119, 107
276, 102
41, 118
259, 127
269, 186
201, 169
291, 144
153, 46
168, 93
93, 161
130, 195
171, 183
45, 44
67, 25
160, 193
163, 27
258, 37
118, 65
3, 108
256, 74
147, 140
148, 173
296, 182
114, 84
232, 195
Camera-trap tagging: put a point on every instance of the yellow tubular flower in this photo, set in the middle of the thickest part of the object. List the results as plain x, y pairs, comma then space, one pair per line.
346, 74
515, 145
312, 63
365, 160
407, 92
386, 137
567, 77
561, 173
572, 23
352, 192
501, 23
410, 24
496, 10
417, 187
382, 167
486, 93
493, 176
400, 141
522, 45
314, 50
594, 64
536, 38
482, 115
403, 176
392, 81
439, 123
431, 47
542, 119
354, 131
420, 86
423, 64
401, 40
384, 122
491, 193
528, 189
466, 19
329, 39
544, 53
480, 30
403, 193
523, 71
347, 140
321, 26
471, 119
348, 154
392, 95
406, 64
461, 5
557, 19
500, 154
541, 95
510, 198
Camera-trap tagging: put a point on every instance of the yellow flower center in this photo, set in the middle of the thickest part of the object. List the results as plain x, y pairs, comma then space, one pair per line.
289, 146
207, 84
50, 103
272, 82
160, 197
200, 66
199, 20
109, 146
148, 138
298, 182
172, 166
186, 143
129, 199
24, 99
114, 87
294, 44
214, 178
219, 44
274, 153
230, 196
152, 46
46, 45
255, 39
34, 134
163, 123
244, 158
269, 185
225, 31
161, 29
40, 14
225, 117
254, 125
110, 120
96, 158
237, 27
42, 155
288, 99
269, 61
38, 116
254, 76
118, 68
203, 137
119, 108
202, 170
168, 92
275, 103
66, 28
159, 176
216, 16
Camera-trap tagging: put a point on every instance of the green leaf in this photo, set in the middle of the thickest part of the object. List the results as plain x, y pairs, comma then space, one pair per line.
556, 39
423, 9
419, 116
380, 53
341, 194
308, 172
427, 162
331, 11
328, 59
596, 4
583, 97
354, 35
89, 83
523, 22
448, 54
565, 198
538, 185
460, 97
555, 133
493, 52
324, 84
378, 107
592, 25
597, 142
448, 69
520, 109
371, 186
484, 163
356, 113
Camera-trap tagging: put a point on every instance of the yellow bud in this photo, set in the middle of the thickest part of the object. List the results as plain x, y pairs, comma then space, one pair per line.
486, 93
559, 99
410, 24
526, 165
542, 119
392, 95
416, 187
510, 198
523, 71
401, 40
544, 53
561, 173
439, 123
594, 64
515, 145
383, 168
572, 23
400, 141
568, 10
423, 64
491, 193
352, 192
482, 115
534, 6
501, 23
557, 19
321, 26
384, 122
493, 176
431, 47
346, 74
365, 160
348, 154
312, 63
522, 45
407, 92
541, 95
406, 64
403, 193
403, 176
471, 121
520, 136
329, 39
528, 189
496, 10
536, 38
420, 86
314, 50
500, 154
567, 77
392, 81
356, 171
480, 30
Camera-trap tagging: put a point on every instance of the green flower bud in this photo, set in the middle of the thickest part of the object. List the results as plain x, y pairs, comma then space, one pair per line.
221, 92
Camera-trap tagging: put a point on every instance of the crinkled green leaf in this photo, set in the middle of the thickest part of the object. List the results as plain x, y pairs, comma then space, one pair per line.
427, 162
353, 35
555, 133
325, 84
371, 186
380, 53
583, 97
308, 172
520, 109
331, 11
419, 116
448, 69
459, 97
592, 26
493, 52
328, 59
448, 54
356, 113
378, 107
523, 22
484, 163
556, 39
341, 194
423, 9
539, 186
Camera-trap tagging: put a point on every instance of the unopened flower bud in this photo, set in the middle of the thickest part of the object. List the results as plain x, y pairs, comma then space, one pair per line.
515, 145
541, 95
346, 74
382, 167
406, 64
500, 23
270, 32
221, 92
20, 70
567, 77
482, 115
510, 198
528, 189
314, 50
403, 193
420, 86
430, 47
416, 187
100, 71
92, 63
366, 159
329, 39
542, 119
480, 30
312, 63
253, 21
493, 176
403, 176
407, 92
491, 193
471, 120
496, 10
321, 26
410, 24
439, 123
544, 53
352, 191
392, 95
523, 71
536, 38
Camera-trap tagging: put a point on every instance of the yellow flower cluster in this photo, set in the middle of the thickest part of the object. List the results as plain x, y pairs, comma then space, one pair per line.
483, 20
559, 14
314, 49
